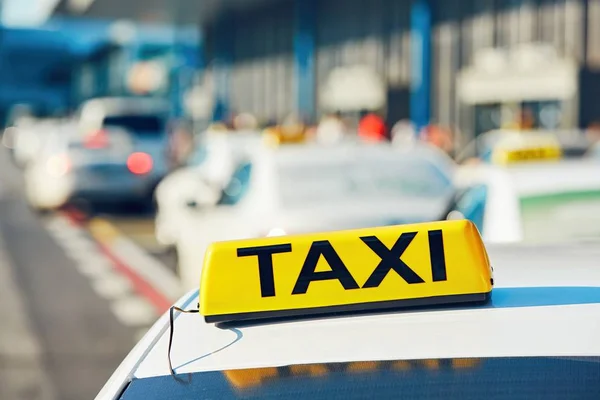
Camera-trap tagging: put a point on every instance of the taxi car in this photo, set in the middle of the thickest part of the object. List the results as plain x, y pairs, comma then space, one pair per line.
528, 190
413, 311
312, 187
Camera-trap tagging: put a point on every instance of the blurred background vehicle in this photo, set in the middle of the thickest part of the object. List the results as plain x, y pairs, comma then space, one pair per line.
114, 151
28, 137
47, 177
128, 143
308, 188
573, 143
528, 190
203, 181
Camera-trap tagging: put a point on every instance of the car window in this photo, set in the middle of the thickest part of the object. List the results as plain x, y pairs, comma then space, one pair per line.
137, 124
238, 185
470, 204
464, 379
305, 184
561, 216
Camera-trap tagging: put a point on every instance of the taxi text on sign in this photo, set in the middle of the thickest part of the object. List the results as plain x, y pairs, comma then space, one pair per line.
431, 263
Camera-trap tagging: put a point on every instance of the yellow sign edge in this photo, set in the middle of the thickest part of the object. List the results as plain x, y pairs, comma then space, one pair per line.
401, 304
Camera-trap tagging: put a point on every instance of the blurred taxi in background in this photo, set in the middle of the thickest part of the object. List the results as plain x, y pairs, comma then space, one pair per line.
291, 130
116, 150
528, 191
573, 143
304, 188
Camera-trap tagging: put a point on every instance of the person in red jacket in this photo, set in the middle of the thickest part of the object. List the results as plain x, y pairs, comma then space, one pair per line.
372, 127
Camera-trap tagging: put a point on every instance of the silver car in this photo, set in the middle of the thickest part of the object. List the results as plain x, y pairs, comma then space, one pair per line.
115, 151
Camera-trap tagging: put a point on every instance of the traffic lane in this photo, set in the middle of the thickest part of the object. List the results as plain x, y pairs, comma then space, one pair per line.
22, 375
81, 341
138, 224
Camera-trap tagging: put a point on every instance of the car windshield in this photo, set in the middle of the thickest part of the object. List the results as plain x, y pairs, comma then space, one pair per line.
326, 183
561, 216
138, 124
477, 378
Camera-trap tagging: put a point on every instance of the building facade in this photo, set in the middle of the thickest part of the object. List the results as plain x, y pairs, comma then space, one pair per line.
471, 65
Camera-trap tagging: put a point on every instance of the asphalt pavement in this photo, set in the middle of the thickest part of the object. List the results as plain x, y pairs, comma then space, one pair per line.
138, 226
60, 338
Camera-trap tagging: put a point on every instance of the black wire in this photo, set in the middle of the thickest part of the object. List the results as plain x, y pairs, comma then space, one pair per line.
171, 331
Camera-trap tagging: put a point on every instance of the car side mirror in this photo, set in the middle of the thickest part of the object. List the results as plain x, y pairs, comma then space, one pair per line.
203, 198
193, 204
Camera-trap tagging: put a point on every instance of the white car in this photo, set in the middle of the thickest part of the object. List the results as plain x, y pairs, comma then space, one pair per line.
307, 188
207, 173
536, 200
27, 139
536, 336
114, 151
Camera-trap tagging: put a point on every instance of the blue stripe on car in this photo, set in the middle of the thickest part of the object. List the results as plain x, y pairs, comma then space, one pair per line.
544, 296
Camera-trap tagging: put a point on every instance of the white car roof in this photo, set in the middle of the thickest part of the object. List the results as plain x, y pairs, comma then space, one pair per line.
572, 141
545, 302
538, 177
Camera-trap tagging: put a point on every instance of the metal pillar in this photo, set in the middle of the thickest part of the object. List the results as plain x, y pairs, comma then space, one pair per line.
304, 57
224, 40
420, 85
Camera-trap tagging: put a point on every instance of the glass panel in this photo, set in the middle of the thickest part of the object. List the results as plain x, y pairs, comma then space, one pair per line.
464, 379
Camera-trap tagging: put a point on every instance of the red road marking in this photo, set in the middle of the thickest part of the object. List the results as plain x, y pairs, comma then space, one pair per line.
140, 285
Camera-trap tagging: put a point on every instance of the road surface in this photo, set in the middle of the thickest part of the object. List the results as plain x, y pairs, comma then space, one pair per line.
68, 319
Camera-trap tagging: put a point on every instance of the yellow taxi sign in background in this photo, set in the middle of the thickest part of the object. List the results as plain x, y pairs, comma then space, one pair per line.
388, 267
526, 147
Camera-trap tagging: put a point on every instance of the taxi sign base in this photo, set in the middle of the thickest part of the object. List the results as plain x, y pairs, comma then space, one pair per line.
374, 307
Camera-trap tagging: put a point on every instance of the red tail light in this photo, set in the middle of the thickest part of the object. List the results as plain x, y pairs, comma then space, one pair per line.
139, 163
96, 140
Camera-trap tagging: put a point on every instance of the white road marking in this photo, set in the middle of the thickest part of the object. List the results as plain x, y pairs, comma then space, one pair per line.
64, 234
134, 311
112, 285
149, 268
129, 308
79, 254
81, 243
95, 267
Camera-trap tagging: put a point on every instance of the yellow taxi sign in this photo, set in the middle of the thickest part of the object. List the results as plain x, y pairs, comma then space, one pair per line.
527, 147
380, 268
279, 135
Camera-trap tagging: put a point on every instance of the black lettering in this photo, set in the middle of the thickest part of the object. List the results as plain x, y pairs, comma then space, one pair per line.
338, 269
265, 264
390, 260
437, 256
